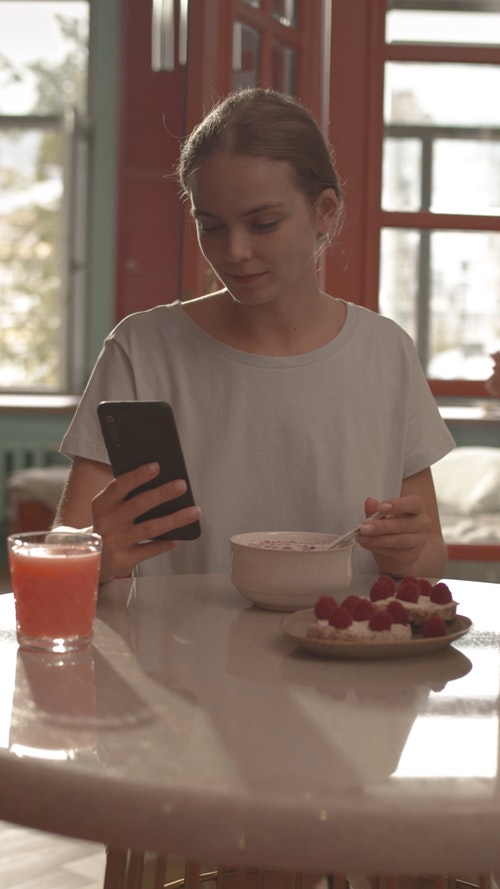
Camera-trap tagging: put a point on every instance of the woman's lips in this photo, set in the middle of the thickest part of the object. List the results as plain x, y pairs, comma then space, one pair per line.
246, 279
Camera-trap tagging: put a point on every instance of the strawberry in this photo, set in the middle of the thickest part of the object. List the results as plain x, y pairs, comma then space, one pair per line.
380, 620
425, 586
363, 610
381, 589
397, 612
350, 602
324, 605
388, 581
440, 594
340, 618
408, 577
408, 590
434, 626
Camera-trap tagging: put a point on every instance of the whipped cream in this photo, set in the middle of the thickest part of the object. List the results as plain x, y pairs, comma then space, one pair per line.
358, 631
427, 604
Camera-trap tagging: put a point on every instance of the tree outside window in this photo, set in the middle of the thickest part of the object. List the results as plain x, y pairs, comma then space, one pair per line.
43, 87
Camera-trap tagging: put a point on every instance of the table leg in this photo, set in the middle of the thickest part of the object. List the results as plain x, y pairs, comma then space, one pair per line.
116, 868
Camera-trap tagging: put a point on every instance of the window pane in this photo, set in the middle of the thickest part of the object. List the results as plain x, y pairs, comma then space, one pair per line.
465, 304
37, 39
466, 176
443, 288
284, 68
401, 176
286, 12
434, 26
30, 306
246, 52
399, 252
448, 94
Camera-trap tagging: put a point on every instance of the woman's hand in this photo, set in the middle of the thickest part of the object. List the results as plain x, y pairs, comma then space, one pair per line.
400, 537
126, 543
493, 383
93, 497
408, 539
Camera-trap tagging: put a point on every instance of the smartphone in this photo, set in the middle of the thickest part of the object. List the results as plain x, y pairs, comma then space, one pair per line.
139, 432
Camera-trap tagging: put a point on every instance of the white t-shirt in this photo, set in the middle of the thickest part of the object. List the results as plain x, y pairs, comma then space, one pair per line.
292, 443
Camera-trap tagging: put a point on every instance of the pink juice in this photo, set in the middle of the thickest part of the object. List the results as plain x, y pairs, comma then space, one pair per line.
55, 589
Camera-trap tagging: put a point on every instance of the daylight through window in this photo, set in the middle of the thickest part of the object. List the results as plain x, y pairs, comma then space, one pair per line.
440, 239
43, 161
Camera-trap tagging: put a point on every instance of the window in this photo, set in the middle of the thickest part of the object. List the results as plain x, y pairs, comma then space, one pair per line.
43, 159
416, 130
440, 184
266, 51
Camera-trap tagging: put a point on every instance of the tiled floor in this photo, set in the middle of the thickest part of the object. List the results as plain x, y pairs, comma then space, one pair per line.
30, 859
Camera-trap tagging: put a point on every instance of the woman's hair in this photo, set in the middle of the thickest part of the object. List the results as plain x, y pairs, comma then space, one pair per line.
264, 123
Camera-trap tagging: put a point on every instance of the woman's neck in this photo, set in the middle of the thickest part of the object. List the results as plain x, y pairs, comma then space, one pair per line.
270, 329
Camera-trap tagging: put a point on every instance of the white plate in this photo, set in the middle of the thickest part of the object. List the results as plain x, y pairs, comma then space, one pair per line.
295, 626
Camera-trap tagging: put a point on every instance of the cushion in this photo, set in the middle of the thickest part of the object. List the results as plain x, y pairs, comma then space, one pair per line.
467, 481
44, 484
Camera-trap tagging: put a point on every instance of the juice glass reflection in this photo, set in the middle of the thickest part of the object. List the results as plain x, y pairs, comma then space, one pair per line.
54, 707
55, 579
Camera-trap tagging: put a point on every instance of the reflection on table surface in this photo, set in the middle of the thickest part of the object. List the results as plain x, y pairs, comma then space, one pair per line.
194, 721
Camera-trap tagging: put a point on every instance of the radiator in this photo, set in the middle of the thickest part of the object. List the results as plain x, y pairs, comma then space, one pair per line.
20, 455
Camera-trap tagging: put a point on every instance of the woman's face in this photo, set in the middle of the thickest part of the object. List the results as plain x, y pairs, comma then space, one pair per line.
256, 228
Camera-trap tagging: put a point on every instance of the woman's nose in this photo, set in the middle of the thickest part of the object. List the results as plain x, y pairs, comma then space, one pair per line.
238, 246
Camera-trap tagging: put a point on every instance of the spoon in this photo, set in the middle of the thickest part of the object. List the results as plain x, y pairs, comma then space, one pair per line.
350, 535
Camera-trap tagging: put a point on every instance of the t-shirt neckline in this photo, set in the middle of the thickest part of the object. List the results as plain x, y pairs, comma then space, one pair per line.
230, 352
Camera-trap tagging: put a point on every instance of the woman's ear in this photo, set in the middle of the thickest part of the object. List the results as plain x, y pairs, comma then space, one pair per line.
326, 209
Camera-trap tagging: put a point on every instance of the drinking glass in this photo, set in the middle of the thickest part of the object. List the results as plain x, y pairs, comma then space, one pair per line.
55, 579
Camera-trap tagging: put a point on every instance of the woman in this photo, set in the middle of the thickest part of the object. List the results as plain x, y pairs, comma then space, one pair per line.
296, 410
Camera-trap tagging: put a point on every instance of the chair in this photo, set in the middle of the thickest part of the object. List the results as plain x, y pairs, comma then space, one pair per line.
138, 870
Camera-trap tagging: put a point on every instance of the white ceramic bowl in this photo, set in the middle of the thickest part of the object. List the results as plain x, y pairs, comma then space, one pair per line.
289, 579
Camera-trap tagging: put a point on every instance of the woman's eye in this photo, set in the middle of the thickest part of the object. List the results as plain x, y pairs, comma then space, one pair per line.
206, 229
209, 228
266, 226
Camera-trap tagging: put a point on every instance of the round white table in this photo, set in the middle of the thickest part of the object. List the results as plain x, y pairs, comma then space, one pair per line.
195, 727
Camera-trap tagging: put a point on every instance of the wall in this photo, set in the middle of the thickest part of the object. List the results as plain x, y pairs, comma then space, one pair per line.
104, 110
474, 423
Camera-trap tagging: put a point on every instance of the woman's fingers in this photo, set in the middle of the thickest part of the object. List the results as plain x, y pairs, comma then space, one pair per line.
115, 513
404, 528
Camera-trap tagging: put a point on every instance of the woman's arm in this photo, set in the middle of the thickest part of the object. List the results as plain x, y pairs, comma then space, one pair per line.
92, 496
86, 478
409, 539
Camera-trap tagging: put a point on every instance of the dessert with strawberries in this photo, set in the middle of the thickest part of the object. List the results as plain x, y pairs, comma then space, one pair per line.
357, 619
393, 612
418, 596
